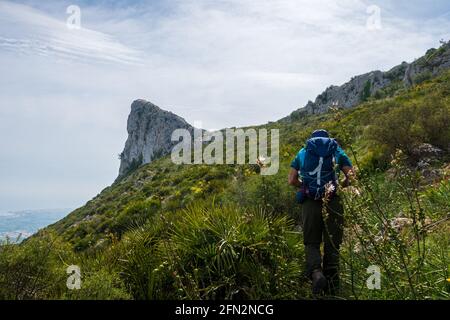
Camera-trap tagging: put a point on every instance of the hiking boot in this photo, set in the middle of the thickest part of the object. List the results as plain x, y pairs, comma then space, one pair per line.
319, 282
332, 287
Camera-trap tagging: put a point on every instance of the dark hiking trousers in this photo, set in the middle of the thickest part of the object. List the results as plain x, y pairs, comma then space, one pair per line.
318, 227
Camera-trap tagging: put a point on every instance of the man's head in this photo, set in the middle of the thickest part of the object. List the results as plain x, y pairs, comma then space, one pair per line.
321, 133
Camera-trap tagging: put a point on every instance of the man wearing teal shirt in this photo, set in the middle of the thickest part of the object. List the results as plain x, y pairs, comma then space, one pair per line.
323, 272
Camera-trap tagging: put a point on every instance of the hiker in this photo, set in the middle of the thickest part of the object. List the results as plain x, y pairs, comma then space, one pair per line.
314, 172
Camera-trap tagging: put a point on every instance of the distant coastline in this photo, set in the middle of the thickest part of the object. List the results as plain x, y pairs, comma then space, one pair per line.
19, 225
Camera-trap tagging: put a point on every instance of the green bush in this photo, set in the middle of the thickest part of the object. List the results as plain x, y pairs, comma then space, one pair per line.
404, 127
216, 252
99, 285
366, 93
391, 226
434, 118
135, 214
33, 269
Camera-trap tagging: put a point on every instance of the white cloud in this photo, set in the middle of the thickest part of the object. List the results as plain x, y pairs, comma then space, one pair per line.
29, 31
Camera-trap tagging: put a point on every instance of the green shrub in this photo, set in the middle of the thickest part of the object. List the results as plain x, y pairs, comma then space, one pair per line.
406, 126
390, 225
216, 252
99, 285
33, 269
366, 93
434, 118
422, 77
135, 214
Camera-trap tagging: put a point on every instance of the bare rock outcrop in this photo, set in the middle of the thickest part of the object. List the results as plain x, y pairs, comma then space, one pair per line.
149, 135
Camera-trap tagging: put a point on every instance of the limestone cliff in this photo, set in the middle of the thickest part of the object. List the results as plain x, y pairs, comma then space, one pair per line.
149, 135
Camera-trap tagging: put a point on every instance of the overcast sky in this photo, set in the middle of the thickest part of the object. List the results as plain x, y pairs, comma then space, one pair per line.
65, 93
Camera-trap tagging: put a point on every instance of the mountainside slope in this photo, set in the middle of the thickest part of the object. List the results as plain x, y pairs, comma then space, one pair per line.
162, 185
226, 232
166, 231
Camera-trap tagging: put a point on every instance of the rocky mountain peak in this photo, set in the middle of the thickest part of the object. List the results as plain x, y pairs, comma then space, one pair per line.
378, 83
149, 135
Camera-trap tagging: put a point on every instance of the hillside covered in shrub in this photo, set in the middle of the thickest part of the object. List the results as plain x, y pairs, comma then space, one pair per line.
170, 231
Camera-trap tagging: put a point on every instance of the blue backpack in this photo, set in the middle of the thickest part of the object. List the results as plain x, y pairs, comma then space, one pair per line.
318, 167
